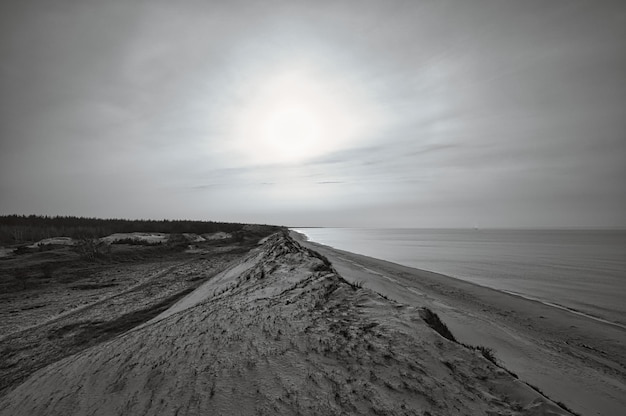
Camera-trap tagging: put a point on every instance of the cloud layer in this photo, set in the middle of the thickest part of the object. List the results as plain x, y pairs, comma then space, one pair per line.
468, 113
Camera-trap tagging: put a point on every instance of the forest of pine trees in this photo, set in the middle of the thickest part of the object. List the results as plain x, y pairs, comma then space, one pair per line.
16, 229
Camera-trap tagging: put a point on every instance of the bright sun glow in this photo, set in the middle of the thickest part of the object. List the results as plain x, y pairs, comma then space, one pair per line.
292, 129
294, 115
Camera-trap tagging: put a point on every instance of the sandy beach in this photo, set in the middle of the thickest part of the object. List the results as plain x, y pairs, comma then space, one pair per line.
573, 359
281, 332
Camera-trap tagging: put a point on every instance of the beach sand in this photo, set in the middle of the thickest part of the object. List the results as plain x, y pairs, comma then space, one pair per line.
573, 359
280, 332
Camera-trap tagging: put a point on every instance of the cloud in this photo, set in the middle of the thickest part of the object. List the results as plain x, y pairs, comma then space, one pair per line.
463, 111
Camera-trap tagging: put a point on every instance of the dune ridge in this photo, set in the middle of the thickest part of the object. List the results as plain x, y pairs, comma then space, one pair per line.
280, 332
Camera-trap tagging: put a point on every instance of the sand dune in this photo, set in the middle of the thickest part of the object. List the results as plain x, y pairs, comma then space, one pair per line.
281, 332
572, 358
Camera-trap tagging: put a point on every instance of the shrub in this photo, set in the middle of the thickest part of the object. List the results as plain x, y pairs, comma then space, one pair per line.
93, 249
433, 321
488, 353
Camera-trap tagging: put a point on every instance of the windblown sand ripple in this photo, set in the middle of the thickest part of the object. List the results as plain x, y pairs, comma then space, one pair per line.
279, 333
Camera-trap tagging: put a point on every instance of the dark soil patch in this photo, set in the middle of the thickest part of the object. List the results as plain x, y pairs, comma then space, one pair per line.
88, 333
92, 286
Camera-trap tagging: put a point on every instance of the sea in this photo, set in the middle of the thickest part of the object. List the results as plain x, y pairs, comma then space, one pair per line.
582, 271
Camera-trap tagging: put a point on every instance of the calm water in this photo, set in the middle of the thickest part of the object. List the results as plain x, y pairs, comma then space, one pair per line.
580, 270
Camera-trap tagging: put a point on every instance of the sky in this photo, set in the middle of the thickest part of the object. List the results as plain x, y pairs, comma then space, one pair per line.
467, 113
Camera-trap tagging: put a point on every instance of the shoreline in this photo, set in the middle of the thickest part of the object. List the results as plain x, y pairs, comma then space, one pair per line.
509, 292
564, 308
580, 273
576, 359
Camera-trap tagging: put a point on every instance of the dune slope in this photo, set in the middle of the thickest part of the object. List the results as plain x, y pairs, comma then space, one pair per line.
279, 333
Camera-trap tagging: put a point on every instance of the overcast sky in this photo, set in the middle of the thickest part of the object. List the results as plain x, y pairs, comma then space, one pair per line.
323, 113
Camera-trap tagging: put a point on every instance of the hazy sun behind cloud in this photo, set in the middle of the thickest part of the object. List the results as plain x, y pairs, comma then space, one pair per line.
295, 113
361, 113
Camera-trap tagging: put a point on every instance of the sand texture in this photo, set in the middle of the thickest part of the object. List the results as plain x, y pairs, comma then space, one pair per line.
573, 359
280, 332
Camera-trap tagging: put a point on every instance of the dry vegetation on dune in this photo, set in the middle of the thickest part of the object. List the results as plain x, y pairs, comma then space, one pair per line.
279, 332
56, 301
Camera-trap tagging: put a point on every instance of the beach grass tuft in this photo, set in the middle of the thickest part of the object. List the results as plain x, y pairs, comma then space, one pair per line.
432, 319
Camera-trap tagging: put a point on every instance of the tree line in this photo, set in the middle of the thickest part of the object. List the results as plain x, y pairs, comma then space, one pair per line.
15, 229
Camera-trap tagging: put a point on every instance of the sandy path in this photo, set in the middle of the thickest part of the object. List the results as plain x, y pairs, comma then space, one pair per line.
572, 358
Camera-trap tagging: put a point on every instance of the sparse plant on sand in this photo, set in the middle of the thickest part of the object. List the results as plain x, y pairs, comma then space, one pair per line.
92, 249
433, 321
487, 352
357, 284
